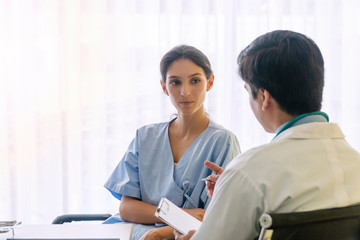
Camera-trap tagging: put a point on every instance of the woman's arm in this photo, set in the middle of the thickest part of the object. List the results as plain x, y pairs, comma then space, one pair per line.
137, 211
197, 213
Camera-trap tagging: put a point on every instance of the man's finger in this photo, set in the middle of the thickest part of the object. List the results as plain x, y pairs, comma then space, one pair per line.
214, 167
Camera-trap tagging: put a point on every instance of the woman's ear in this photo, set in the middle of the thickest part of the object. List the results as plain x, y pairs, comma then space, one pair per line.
163, 86
210, 82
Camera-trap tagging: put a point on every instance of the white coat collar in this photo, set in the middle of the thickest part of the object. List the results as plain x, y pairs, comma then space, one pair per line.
315, 130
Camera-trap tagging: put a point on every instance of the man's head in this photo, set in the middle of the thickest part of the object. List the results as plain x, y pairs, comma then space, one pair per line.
289, 66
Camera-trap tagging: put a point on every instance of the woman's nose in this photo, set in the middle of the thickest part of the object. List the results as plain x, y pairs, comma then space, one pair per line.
185, 90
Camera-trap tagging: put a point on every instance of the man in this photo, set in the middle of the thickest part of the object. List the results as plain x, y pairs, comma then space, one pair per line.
307, 166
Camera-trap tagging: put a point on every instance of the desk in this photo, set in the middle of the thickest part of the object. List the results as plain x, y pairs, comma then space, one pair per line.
71, 231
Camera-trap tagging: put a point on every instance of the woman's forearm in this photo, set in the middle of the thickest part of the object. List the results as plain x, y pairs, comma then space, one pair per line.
134, 210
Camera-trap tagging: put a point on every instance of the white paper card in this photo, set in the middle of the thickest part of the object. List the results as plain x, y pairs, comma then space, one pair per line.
176, 217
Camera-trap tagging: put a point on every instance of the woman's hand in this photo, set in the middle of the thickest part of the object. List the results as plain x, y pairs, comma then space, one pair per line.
197, 213
158, 233
210, 184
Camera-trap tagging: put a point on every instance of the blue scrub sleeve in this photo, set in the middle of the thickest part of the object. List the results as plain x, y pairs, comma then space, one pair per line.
125, 178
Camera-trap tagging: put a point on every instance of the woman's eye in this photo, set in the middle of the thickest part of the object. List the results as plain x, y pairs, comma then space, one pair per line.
174, 82
196, 80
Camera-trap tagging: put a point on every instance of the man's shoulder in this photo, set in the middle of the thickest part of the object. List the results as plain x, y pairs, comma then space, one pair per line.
251, 156
264, 156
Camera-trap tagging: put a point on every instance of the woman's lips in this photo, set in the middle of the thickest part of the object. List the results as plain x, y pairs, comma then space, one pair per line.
186, 102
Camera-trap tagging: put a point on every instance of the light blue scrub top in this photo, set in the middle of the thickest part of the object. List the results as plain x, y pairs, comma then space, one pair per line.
147, 169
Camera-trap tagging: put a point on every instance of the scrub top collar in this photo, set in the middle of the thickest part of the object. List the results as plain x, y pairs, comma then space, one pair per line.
317, 116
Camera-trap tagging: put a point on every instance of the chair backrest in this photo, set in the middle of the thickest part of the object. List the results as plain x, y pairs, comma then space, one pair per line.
336, 223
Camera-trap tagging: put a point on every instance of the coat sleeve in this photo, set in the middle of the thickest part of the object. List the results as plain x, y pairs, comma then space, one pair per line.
234, 210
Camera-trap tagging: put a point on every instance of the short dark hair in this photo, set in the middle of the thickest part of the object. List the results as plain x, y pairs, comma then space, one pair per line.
185, 52
287, 64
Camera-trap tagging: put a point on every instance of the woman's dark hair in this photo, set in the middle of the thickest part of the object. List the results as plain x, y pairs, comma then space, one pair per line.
287, 64
185, 52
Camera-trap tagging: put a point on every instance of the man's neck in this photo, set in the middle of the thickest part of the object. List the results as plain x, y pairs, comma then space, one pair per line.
280, 118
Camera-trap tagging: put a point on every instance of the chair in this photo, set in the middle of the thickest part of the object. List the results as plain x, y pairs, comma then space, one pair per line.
336, 223
80, 217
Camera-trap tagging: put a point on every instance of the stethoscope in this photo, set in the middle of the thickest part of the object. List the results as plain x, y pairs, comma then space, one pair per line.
297, 118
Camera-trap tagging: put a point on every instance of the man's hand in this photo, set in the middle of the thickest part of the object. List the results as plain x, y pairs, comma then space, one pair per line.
210, 184
158, 233
179, 236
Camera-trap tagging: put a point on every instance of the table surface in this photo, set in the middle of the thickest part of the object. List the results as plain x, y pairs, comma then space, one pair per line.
71, 231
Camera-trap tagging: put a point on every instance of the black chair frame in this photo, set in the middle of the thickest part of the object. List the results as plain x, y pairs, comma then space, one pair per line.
336, 223
80, 217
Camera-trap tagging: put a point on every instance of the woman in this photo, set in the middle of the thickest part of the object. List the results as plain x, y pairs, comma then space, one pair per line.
167, 159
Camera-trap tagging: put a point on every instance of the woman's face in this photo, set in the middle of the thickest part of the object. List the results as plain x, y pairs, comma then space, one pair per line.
186, 84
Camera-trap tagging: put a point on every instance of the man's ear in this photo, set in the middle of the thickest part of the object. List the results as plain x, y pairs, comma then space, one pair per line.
266, 99
163, 86
210, 82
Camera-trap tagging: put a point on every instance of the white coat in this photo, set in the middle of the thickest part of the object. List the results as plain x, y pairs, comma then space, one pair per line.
306, 167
